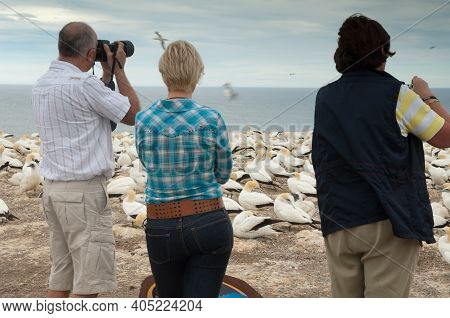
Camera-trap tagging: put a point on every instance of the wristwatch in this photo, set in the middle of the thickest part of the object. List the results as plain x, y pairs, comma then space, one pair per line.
430, 99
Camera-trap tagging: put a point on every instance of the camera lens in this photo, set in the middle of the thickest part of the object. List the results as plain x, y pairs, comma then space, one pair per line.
128, 47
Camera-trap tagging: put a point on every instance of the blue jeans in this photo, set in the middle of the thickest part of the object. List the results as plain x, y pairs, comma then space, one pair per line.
189, 255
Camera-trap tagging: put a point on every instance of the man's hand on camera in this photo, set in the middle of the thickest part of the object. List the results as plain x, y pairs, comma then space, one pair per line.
107, 66
121, 57
421, 87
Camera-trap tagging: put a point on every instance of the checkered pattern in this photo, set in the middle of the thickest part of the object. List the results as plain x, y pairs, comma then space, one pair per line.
184, 148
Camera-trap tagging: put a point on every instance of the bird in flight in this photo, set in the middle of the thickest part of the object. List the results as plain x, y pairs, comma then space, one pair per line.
161, 40
229, 92
432, 47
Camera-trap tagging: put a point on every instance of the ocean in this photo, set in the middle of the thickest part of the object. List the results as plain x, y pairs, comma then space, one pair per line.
264, 108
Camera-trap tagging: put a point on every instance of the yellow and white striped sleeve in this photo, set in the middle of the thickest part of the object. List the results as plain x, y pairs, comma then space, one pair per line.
415, 117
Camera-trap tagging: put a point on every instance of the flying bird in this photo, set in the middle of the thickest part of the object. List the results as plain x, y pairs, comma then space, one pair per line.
162, 40
229, 92
432, 47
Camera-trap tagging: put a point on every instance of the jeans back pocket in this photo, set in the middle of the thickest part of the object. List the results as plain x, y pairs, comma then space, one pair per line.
158, 247
214, 237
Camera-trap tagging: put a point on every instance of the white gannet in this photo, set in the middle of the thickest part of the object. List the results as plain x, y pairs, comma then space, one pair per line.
297, 185
441, 163
446, 195
161, 40
23, 145
138, 174
31, 177
232, 206
141, 220
117, 145
439, 209
6, 143
286, 210
131, 207
444, 245
308, 167
248, 226
232, 185
118, 187
140, 197
241, 175
5, 135
305, 205
285, 158
274, 168
132, 151
124, 160
5, 214
10, 153
257, 171
304, 176
439, 221
302, 149
438, 175
12, 162
253, 200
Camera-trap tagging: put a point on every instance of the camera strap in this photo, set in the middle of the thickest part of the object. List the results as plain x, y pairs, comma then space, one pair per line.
111, 83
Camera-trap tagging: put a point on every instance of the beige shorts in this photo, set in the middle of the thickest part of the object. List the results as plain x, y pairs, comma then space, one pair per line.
82, 246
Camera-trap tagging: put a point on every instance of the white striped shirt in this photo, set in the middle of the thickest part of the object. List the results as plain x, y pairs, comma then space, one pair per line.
73, 110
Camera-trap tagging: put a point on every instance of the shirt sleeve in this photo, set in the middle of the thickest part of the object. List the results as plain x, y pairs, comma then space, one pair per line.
139, 140
223, 161
104, 101
415, 117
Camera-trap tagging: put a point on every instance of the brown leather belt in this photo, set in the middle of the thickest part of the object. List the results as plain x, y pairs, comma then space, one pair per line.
182, 208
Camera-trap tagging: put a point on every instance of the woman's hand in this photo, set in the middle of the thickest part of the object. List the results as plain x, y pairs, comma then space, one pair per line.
421, 87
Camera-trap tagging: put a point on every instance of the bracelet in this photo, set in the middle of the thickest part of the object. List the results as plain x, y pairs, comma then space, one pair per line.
434, 101
428, 98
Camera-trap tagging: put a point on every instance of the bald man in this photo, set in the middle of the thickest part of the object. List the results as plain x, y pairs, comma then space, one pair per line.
73, 111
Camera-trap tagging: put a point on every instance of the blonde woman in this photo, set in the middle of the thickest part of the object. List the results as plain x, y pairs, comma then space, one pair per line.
184, 149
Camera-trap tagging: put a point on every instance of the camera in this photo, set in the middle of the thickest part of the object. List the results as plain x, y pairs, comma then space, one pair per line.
128, 47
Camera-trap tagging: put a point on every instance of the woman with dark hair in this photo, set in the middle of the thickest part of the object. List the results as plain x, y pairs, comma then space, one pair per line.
369, 162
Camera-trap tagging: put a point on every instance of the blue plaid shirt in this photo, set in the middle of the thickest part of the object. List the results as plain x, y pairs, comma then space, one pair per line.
184, 149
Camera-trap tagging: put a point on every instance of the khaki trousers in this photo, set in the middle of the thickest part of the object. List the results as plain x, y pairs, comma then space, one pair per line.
369, 261
82, 246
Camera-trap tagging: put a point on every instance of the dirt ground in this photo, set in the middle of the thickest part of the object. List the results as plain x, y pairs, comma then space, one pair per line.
289, 264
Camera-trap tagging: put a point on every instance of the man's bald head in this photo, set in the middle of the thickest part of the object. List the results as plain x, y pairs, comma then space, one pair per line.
75, 39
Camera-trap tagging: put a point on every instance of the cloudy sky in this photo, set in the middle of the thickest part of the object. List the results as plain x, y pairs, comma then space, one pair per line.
252, 43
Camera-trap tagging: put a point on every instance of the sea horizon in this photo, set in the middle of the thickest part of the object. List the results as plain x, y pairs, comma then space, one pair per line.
265, 108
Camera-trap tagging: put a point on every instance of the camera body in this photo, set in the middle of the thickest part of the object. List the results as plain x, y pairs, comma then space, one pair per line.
128, 47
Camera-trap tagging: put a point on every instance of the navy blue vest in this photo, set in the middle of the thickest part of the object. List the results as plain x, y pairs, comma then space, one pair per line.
366, 170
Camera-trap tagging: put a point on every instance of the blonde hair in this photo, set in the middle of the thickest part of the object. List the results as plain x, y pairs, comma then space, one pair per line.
181, 66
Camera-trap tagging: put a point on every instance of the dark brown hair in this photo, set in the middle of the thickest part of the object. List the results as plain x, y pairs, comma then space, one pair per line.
363, 43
